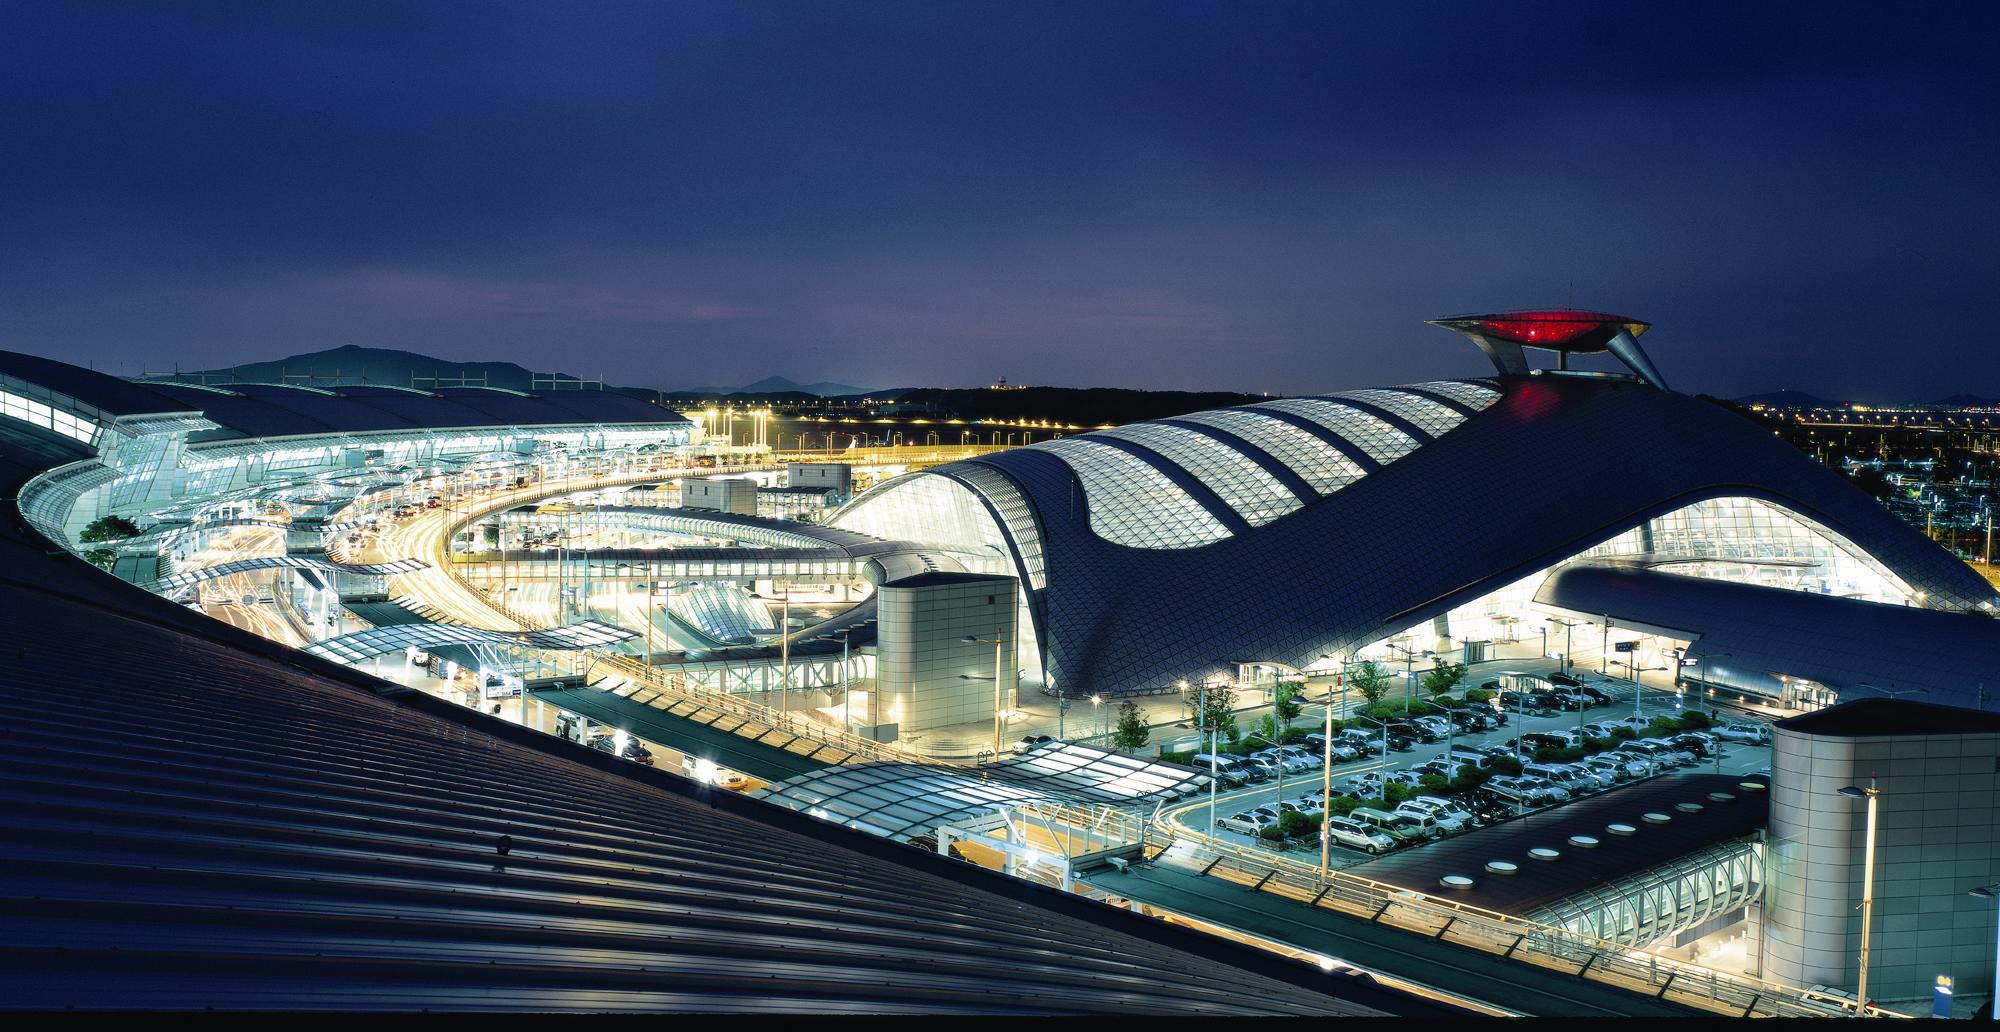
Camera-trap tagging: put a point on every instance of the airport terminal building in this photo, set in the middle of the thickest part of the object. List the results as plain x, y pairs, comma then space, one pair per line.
1298, 533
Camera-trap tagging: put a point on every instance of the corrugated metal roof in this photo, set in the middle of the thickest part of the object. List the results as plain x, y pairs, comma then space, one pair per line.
191, 817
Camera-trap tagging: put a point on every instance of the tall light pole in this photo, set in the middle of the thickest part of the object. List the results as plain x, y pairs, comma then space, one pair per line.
1409, 673
1278, 803
1867, 887
999, 713
1325, 793
1992, 892
1200, 720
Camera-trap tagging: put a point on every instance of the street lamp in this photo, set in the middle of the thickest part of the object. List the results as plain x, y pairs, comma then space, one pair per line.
999, 712
1992, 892
1867, 887
1279, 803
1409, 672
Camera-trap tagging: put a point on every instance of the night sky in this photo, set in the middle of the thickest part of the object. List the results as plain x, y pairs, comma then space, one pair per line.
1245, 195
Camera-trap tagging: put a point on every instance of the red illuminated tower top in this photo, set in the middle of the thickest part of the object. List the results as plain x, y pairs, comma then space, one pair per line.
1565, 331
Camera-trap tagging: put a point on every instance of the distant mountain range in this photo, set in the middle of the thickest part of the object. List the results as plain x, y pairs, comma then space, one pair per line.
353, 364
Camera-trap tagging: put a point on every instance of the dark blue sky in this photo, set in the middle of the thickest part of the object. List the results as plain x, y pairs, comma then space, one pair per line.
1247, 195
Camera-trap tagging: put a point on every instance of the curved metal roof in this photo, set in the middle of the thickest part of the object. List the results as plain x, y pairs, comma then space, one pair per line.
1400, 532
1842, 643
285, 410
221, 823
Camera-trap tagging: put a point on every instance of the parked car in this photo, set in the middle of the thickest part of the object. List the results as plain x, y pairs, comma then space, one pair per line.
1366, 786
1596, 695
1032, 742
1701, 745
1532, 791
1407, 778
1663, 755
1245, 823
1574, 782
1405, 829
1469, 756
1487, 808
1620, 768
1306, 756
1755, 734
1345, 831
1412, 730
1448, 820
1563, 679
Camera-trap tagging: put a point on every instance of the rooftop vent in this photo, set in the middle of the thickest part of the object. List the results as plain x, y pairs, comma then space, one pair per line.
1750, 786
1502, 867
1456, 881
1545, 853
1655, 818
1621, 829
1689, 807
1583, 841
1721, 797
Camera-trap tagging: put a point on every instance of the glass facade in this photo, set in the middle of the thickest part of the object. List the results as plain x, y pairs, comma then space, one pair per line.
1474, 393
1236, 478
1015, 512
1755, 542
48, 417
1429, 416
1133, 504
1322, 467
1647, 907
1377, 439
935, 511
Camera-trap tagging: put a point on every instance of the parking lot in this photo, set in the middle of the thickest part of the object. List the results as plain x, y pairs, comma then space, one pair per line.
1731, 752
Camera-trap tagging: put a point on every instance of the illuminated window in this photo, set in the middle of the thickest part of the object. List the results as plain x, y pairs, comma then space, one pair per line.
1465, 392
1315, 461
1236, 478
1131, 503
1014, 512
46, 417
1433, 418
1379, 440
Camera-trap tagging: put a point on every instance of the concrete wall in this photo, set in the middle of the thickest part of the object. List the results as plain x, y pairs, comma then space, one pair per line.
835, 476
1935, 839
720, 494
920, 657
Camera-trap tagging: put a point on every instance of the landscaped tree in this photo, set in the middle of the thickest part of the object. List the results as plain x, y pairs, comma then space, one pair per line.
1219, 714
1442, 678
1132, 732
103, 557
108, 528
1285, 702
1369, 678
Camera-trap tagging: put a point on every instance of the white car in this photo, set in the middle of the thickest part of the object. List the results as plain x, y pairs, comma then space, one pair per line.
1448, 821
1355, 835
1245, 823
1756, 734
1623, 767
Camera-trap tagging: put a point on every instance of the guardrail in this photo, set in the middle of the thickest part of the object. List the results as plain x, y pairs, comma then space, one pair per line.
1511, 937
